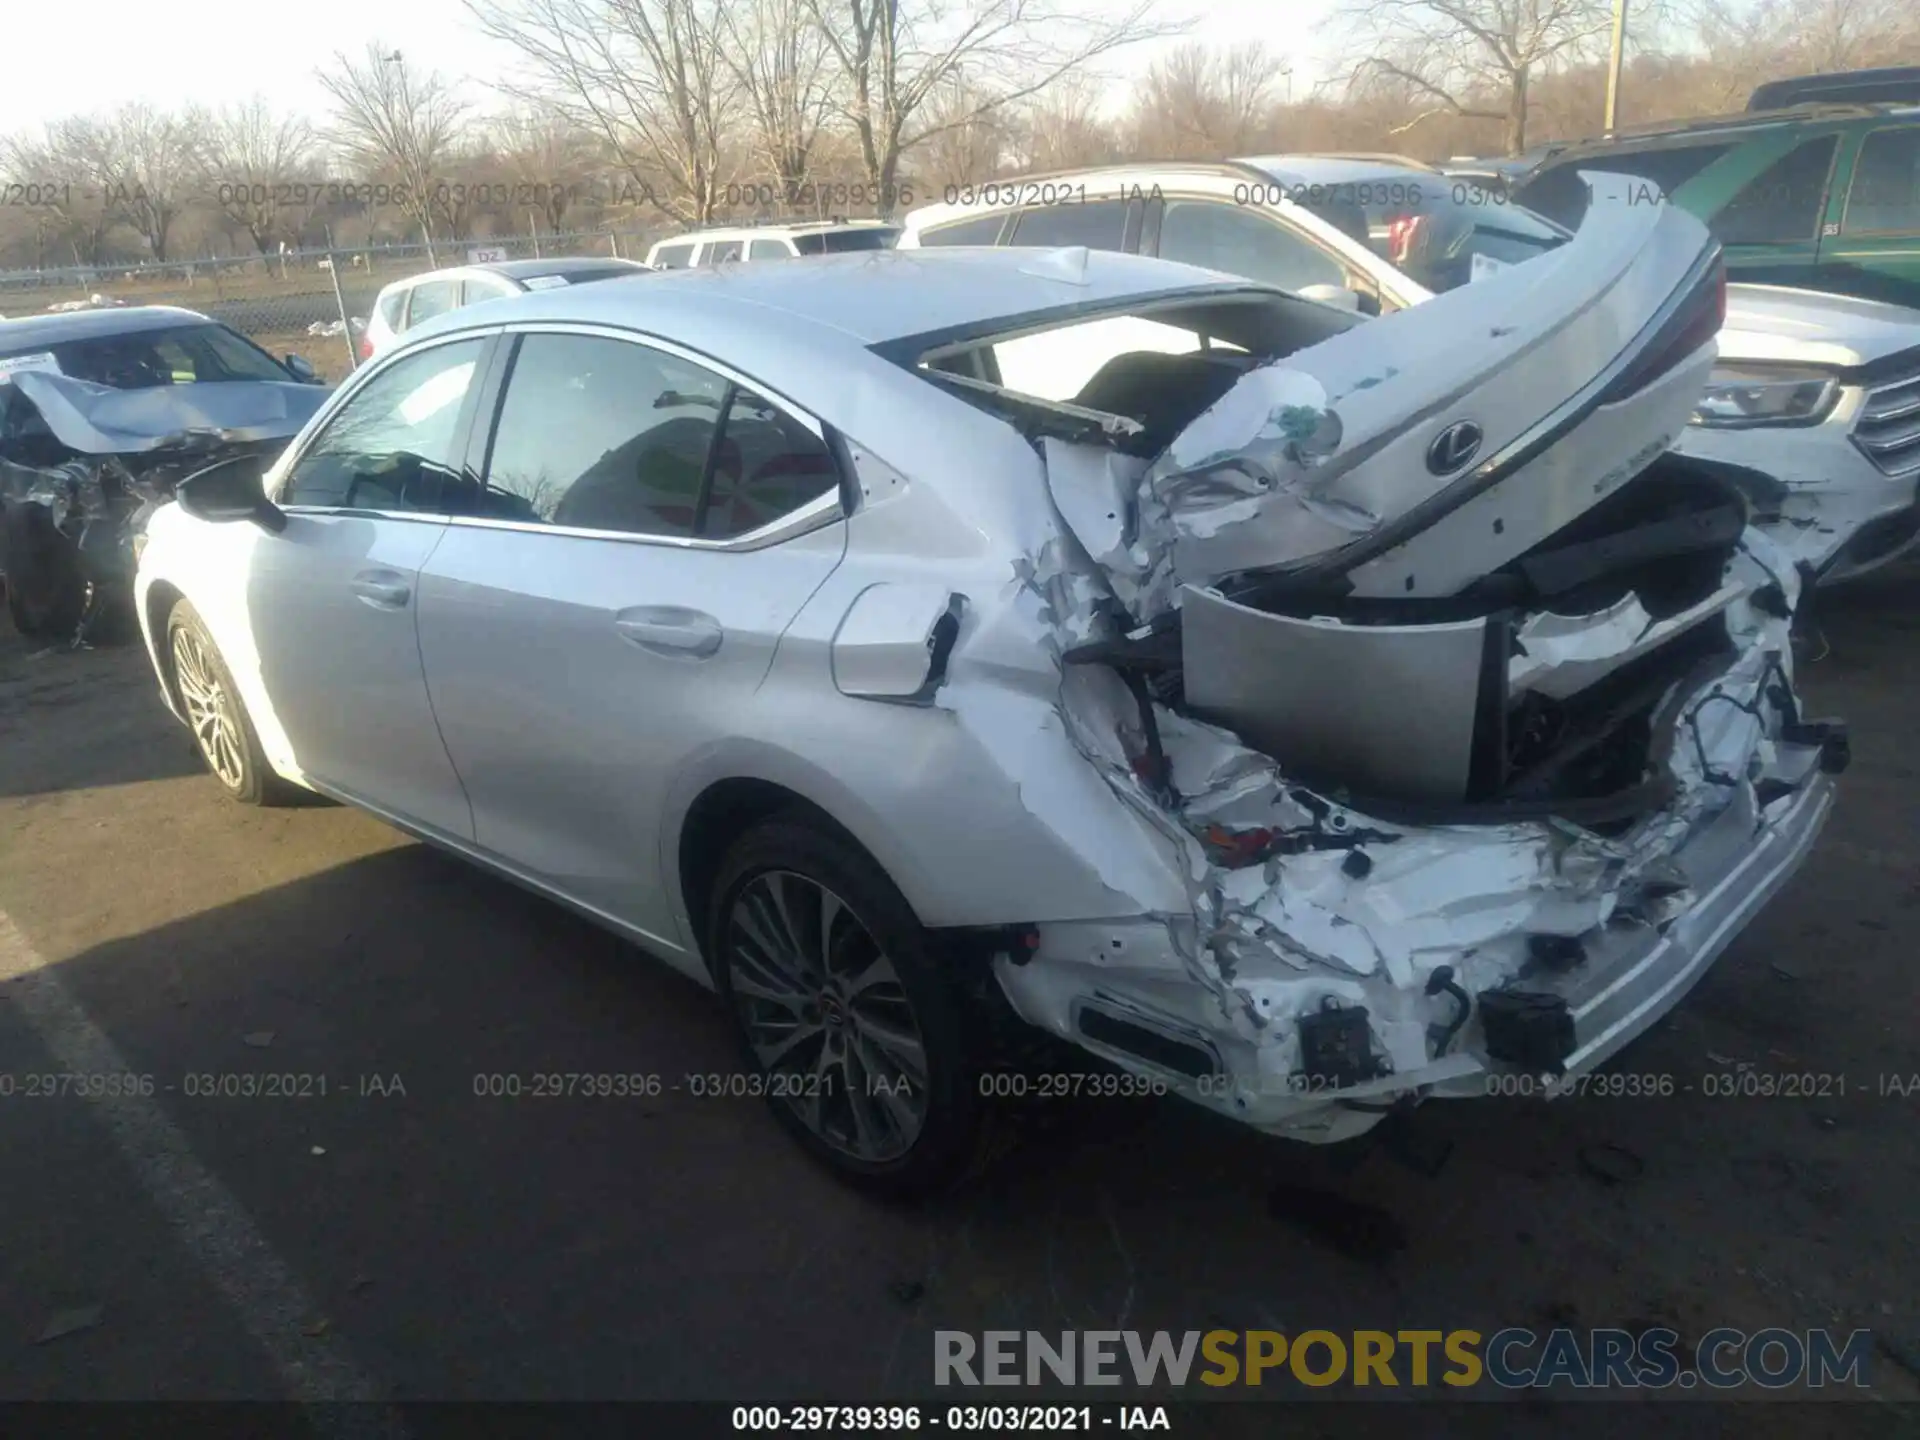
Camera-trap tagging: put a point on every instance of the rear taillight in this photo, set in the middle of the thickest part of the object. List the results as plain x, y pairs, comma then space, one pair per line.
366, 347
1401, 233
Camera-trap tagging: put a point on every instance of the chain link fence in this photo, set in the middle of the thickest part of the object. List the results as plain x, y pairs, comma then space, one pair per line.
312, 303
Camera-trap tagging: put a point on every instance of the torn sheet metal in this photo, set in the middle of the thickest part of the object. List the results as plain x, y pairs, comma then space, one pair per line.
1328, 905
1560, 655
100, 420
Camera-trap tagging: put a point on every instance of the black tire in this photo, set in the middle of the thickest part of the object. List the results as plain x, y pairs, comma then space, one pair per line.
46, 593
794, 846
240, 766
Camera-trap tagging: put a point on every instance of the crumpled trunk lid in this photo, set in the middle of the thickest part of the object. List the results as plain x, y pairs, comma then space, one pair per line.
1408, 456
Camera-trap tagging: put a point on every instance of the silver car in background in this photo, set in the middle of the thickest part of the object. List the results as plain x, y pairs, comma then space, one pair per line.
1309, 716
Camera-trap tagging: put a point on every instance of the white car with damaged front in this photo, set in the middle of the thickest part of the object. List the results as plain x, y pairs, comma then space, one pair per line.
1269, 720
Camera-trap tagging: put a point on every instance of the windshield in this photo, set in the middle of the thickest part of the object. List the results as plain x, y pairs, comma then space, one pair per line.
835, 242
1441, 230
178, 355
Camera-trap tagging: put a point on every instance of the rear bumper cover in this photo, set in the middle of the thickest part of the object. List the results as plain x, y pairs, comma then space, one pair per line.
1635, 971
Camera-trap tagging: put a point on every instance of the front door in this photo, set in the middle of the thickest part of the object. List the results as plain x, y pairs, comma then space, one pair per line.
332, 599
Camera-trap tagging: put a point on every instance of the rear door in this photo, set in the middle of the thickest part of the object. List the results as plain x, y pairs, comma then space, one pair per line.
608, 597
1871, 241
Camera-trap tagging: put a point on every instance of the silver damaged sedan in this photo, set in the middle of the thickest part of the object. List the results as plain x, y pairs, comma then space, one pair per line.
944, 654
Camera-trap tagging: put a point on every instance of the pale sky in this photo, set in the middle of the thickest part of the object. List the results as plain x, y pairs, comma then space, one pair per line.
64, 60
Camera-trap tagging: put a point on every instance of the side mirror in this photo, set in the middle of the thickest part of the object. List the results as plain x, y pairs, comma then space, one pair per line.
302, 370
230, 490
1337, 296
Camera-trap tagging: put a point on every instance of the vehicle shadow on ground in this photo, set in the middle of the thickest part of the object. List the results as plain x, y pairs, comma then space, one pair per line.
129, 735
388, 1064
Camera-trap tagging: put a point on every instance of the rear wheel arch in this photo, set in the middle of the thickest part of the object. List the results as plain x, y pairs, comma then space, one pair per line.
723, 812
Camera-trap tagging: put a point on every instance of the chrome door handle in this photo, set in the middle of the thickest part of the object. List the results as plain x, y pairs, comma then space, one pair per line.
383, 589
670, 630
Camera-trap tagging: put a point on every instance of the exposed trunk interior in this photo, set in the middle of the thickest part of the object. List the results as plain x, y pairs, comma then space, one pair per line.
1432, 710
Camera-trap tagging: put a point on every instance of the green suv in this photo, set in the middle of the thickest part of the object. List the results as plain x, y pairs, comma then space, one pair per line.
1823, 196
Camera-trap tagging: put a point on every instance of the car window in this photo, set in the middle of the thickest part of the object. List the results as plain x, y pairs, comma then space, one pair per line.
395, 439
433, 297
1056, 364
769, 250
1099, 225
1561, 196
673, 257
840, 242
767, 465
1241, 242
1781, 203
474, 290
178, 355
1886, 184
390, 306
602, 435
984, 230
719, 251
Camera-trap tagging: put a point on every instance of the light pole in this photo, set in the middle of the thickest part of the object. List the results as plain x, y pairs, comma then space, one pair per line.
1287, 72
1613, 64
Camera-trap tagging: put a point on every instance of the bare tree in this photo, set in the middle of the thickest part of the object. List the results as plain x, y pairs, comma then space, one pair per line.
397, 125
780, 61
65, 163
141, 163
548, 160
965, 142
646, 76
895, 55
1062, 128
1198, 102
256, 166
1471, 58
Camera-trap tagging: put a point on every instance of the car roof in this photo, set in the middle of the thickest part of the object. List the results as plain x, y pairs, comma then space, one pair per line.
1335, 169
763, 232
36, 332
861, 298
554, 265
1738, 126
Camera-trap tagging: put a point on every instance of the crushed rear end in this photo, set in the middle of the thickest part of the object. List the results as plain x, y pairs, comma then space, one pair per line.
1468, 707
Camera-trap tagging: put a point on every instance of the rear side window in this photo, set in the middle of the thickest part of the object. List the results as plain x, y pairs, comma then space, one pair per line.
982, 231
434, 297
395, 441
1241, 241
1783, 202
720, 251
391, 305
673, 257
1886, 185
602, 435
1099, 225
1559, 194
769, 250
767, 465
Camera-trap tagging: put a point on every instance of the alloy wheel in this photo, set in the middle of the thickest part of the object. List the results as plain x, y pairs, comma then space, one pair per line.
827, 1016
210, 709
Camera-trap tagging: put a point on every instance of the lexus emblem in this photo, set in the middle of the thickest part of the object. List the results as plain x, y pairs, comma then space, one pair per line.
1454, 447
